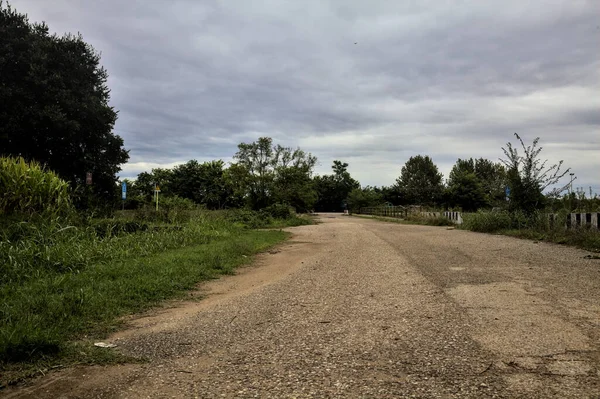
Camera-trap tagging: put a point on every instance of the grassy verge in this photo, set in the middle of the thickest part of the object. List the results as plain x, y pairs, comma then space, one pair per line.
535, 227
437, 221
581, 238
48, 308
503, 223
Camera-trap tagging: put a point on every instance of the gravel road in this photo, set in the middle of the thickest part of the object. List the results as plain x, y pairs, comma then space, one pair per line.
357, 308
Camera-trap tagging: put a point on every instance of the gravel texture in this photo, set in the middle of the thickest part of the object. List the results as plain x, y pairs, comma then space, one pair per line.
358, 308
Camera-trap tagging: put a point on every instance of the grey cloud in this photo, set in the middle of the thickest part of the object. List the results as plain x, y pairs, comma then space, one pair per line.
451, 79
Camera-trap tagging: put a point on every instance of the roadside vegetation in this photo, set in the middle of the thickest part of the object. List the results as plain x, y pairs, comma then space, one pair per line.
503, 198
67, 277
538, 226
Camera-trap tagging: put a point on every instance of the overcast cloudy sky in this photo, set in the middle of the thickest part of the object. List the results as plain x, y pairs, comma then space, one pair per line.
367, 82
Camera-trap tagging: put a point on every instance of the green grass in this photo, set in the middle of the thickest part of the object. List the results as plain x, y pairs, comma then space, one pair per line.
419, 220
61, 284
534, 227
583, 238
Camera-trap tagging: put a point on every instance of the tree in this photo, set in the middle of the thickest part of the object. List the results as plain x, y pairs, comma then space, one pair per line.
528, 175
420, 182
475, 183
266, 166
467, 192
390, 194
294, 187
55, 108
203, 183
333, 190
363, 197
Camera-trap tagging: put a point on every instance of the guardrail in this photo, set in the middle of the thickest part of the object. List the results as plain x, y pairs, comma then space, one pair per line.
573, 220
403, 212
388, 211
591, 219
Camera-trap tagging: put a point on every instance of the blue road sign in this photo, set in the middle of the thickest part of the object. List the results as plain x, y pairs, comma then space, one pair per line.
507, 192
124, 190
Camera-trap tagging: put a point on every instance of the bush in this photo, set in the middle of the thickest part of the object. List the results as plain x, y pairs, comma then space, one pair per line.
26, 188
487, 222
429, 221
278, 211
171, 209
247, 218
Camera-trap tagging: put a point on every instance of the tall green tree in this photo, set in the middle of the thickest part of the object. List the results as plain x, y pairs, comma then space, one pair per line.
55, 108
364, 197
476, 183
420, 182
467, 192
146, 182
294, 187
203, 183
268, 168
333, 190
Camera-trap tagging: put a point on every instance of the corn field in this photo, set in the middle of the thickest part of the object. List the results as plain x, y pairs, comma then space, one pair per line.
26, 188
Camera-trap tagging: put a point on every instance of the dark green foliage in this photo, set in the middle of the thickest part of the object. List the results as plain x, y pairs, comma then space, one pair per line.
268, 174
55, 106
390, 194
333, 190
476, 183
294, 187
420, 182
364, 197
113, 227
203, 183
172, 209
278, 211
466, 191
525, 194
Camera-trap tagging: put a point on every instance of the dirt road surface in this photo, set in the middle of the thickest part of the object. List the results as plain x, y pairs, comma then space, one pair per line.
356, 308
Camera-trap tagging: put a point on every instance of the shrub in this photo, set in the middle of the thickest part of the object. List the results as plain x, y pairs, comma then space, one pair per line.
487, 222
248, 218
171, 209
278, 211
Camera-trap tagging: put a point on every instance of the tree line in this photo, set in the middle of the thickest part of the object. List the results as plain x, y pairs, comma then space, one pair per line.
264, 174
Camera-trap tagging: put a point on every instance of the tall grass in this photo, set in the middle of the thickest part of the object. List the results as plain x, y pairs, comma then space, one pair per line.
26, 188
486, 222
61, 277
30, 249
39, 316
537, 226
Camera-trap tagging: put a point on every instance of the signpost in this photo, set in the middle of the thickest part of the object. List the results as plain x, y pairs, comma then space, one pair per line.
123, 192
156, 191
507, 192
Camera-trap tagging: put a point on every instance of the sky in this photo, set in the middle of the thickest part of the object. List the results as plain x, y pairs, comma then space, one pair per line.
370, 83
